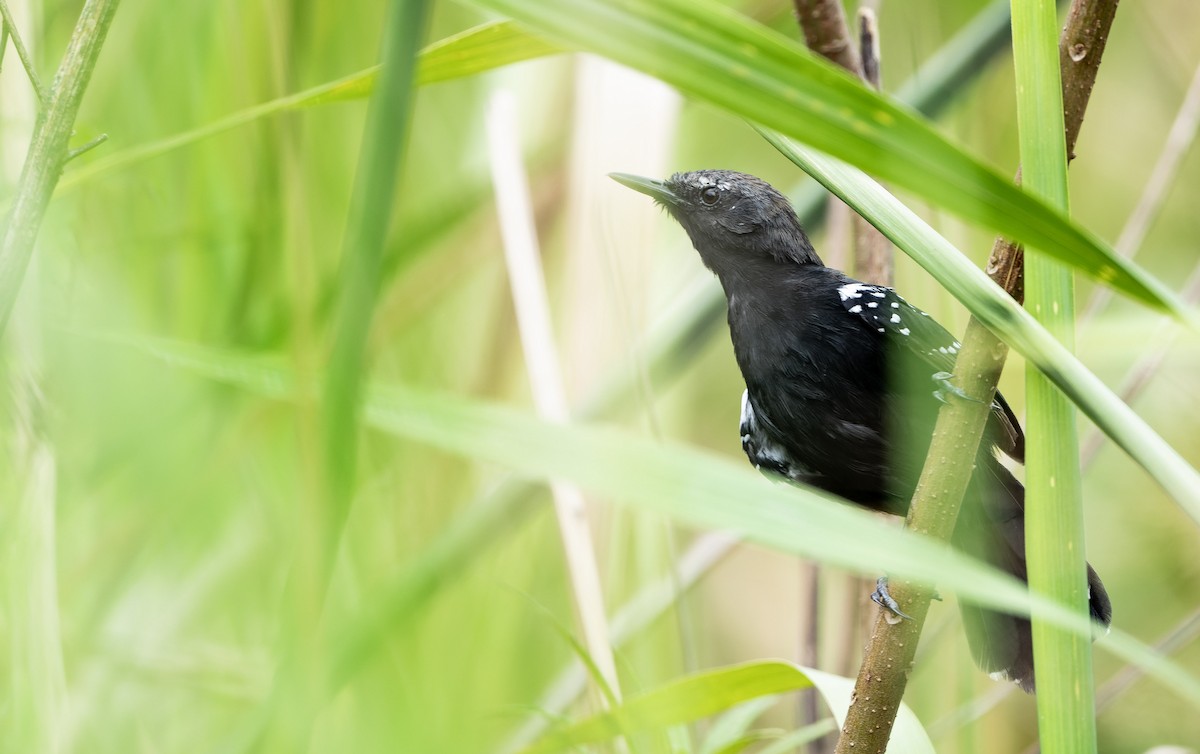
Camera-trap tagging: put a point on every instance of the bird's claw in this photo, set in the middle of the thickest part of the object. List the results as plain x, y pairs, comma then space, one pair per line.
883, 598
946, 387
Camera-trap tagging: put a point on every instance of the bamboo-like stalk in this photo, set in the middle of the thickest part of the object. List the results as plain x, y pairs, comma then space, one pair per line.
1054, 547
545, 376
48, 149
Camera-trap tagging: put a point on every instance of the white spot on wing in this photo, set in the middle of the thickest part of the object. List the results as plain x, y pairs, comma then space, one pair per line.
896, 318
904, 331
851, 290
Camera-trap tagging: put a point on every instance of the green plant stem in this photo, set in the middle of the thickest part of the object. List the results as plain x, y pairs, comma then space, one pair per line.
10, 31
884, 672
1053, 500
384, 138
48, 149
934, 510
300, 683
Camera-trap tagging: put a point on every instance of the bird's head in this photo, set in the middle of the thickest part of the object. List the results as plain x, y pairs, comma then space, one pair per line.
735, 220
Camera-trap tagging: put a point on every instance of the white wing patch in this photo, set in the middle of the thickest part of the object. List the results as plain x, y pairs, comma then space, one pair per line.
883, 309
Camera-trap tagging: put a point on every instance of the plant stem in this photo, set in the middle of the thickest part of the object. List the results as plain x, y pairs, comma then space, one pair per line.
300, 685
10, 31
528, 283
826, 34
1054, 548
48, 149
873, 256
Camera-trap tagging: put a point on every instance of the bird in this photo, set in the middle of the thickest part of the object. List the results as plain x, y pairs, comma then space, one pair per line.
843, 382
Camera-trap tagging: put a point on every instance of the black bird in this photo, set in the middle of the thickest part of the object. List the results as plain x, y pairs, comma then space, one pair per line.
840, 385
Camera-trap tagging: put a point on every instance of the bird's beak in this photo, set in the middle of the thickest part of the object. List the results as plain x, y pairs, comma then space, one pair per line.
660, 191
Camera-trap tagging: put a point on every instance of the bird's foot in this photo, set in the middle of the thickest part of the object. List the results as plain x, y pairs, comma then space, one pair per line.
946, 388
883, 598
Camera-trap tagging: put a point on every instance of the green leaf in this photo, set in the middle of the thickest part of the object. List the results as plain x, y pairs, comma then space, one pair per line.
1000, 314
695, 488
793, 741
718, 55
385, 137
685, 699
706, 693
729, 730
476, 50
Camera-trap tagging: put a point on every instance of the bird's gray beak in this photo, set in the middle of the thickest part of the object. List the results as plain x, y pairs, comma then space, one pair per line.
658, 190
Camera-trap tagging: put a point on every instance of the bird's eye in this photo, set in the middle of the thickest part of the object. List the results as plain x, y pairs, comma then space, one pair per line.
710, 196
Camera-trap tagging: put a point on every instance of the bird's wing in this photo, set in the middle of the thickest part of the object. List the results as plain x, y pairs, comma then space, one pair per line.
886, 312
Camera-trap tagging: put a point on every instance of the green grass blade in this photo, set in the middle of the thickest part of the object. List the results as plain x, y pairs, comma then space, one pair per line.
1054, 490
384, 140
476, 50
730, 729
300, 680
795, 739
695, 488
683, 700
708, 692
1004, 317
711, 52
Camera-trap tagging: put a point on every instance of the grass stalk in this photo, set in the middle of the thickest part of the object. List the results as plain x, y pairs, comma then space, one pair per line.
1054, 544
48, 149
545, 375
10, 32
299, 685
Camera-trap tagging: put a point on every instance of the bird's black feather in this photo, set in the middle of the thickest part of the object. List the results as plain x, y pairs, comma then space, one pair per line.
840, 382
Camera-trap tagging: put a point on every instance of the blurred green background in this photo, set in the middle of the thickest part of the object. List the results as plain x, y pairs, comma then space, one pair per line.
151, 518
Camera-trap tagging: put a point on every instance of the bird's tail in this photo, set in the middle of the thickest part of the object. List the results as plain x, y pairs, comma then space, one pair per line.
992, 526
